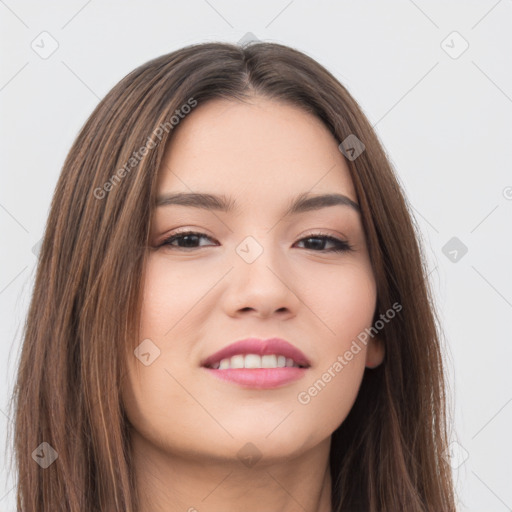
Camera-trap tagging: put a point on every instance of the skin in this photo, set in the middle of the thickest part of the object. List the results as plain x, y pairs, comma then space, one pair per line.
187, 426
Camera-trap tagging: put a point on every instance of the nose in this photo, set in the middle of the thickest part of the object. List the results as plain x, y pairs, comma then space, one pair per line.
261, 288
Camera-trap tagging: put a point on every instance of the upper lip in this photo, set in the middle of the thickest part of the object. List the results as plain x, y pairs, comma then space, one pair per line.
261, 347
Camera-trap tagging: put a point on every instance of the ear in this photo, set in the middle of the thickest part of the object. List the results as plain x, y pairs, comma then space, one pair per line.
375, 351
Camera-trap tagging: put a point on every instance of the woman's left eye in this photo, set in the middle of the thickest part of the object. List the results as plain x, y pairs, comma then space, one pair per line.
189, 239
339, 245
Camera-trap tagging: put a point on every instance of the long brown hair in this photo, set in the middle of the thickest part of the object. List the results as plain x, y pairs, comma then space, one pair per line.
387, 456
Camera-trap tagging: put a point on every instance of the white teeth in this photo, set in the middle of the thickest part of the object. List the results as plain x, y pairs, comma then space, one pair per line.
254, 361
236, 361
269, 361
251, 361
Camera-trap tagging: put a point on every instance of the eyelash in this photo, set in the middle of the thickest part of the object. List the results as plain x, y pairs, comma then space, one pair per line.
342, 245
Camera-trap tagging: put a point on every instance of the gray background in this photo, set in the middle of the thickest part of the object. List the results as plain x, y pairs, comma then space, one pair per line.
443, 114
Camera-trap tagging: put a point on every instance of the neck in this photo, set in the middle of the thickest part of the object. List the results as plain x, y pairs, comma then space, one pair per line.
194, 483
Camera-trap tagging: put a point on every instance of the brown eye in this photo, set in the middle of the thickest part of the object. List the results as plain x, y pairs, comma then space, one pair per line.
185, 240
319, 241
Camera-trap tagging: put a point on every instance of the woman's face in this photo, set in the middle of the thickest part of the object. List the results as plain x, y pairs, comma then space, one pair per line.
255, 271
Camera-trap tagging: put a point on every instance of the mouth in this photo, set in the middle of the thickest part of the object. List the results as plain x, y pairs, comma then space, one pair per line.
256, 363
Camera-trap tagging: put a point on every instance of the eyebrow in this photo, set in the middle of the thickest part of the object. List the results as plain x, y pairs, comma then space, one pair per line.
304, 202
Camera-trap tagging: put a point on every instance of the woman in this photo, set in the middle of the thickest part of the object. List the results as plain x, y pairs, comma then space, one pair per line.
230, 310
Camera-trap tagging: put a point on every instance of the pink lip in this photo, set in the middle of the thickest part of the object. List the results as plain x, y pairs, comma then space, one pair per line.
276, 346
259, 378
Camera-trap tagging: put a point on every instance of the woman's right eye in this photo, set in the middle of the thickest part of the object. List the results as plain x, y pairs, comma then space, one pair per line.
186, 240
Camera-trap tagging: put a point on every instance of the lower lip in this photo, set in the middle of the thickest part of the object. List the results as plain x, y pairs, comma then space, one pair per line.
260, 378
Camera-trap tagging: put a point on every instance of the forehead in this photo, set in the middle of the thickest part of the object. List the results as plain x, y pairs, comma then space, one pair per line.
260, 152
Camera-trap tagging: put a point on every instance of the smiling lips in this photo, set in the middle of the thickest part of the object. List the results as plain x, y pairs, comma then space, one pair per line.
257, 363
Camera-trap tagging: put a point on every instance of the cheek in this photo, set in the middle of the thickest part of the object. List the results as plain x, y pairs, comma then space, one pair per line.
171, 289
343, 300
329, 394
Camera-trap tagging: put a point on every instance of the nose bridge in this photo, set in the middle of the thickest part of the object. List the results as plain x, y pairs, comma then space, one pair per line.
260, 277
256, 254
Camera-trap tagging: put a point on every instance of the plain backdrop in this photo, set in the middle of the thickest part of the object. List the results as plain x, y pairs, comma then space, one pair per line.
433, 77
